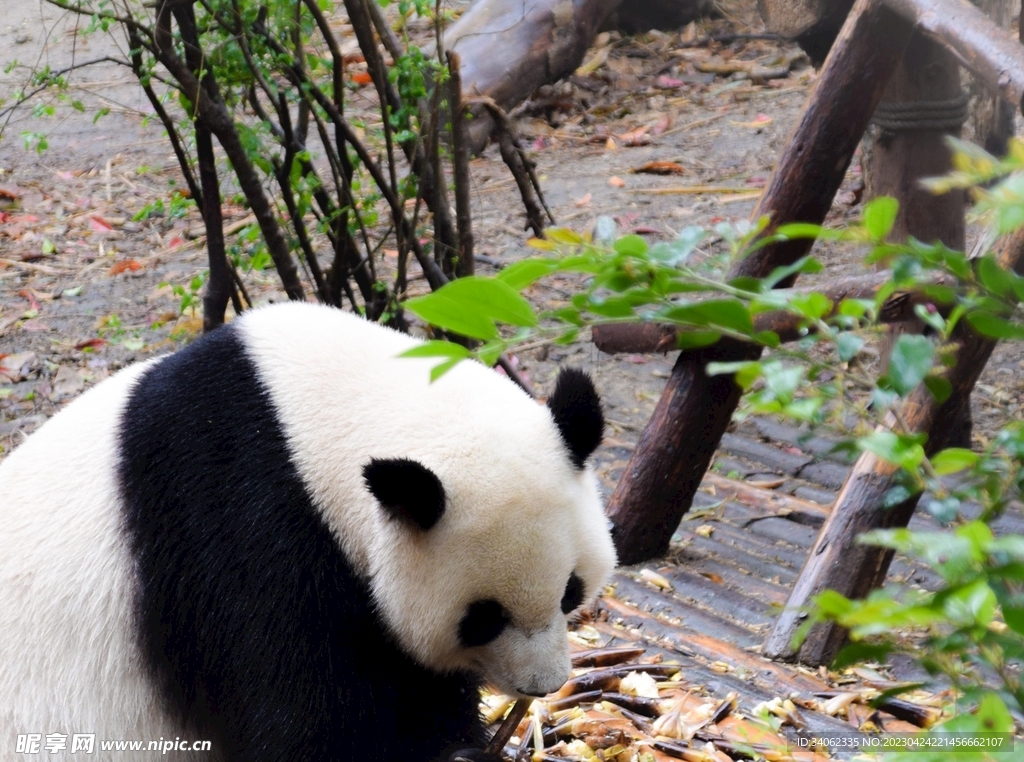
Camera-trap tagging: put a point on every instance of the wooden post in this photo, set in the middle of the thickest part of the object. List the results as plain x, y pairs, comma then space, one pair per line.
836, 561
675, 449
921, 106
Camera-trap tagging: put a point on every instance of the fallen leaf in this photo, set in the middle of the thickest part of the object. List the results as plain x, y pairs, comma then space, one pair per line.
31, 296
90, 344
583, 201
609, 144
125, 265
660, 168
761, 120
716, 578
175, 242
616, 181
362, 78
668, 83
67, 383
99, 224
17, 366
637, 137
662, 124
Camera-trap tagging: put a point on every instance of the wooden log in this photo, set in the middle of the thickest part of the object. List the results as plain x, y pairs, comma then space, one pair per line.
836, 561
615, 338
980, 45
509, 49
675, 449
991, 121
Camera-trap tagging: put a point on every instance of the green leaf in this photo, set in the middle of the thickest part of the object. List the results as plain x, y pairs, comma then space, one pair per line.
470, 306
696, 339
940, 387
746, 372
909, 363
674, 253
952, 460
454, 354
993, 277
900, 450
795, 230
806, 265
730, 314
848, 345
522, 274
631, 246
814, 306
438, 349
880, 216
855, 653
993, 326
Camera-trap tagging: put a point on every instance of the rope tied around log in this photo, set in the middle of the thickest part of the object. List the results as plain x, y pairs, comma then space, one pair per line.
922, 115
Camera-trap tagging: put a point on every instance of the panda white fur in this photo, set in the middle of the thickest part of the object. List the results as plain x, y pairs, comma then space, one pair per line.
285, 540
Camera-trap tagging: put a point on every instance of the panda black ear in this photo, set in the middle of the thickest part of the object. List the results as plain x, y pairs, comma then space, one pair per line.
577, 412
407, 490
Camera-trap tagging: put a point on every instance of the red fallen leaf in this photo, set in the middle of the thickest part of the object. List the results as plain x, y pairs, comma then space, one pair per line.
362, 78
125, 265
352, 58
660, 168
175, 242
391, 253
4, 216
716, 220
9, 193
99, 224
616, 181
33, 302
794, 451
583, 201
90, 343
24, 218
668, 83
716, 578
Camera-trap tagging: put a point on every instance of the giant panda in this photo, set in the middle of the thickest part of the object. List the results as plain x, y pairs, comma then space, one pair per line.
285, 540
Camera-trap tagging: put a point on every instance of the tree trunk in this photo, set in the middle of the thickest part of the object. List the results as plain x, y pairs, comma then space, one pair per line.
509, 48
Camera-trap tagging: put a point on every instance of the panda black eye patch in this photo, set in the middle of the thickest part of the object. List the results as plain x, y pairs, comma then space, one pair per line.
573, 596
482, 623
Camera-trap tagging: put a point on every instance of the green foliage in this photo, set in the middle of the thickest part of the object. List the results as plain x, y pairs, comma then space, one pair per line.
971, 630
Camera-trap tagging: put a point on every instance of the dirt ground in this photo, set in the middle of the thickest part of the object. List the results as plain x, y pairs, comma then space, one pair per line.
81, 289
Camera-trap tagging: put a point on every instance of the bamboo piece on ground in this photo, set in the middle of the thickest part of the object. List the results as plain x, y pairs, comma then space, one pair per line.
674, 451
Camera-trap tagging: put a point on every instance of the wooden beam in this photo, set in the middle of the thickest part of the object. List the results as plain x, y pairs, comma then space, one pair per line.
675, 449
615, 338
991, 53
836, 561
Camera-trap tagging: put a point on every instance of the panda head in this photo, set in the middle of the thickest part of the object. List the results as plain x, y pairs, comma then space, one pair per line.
486, 554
